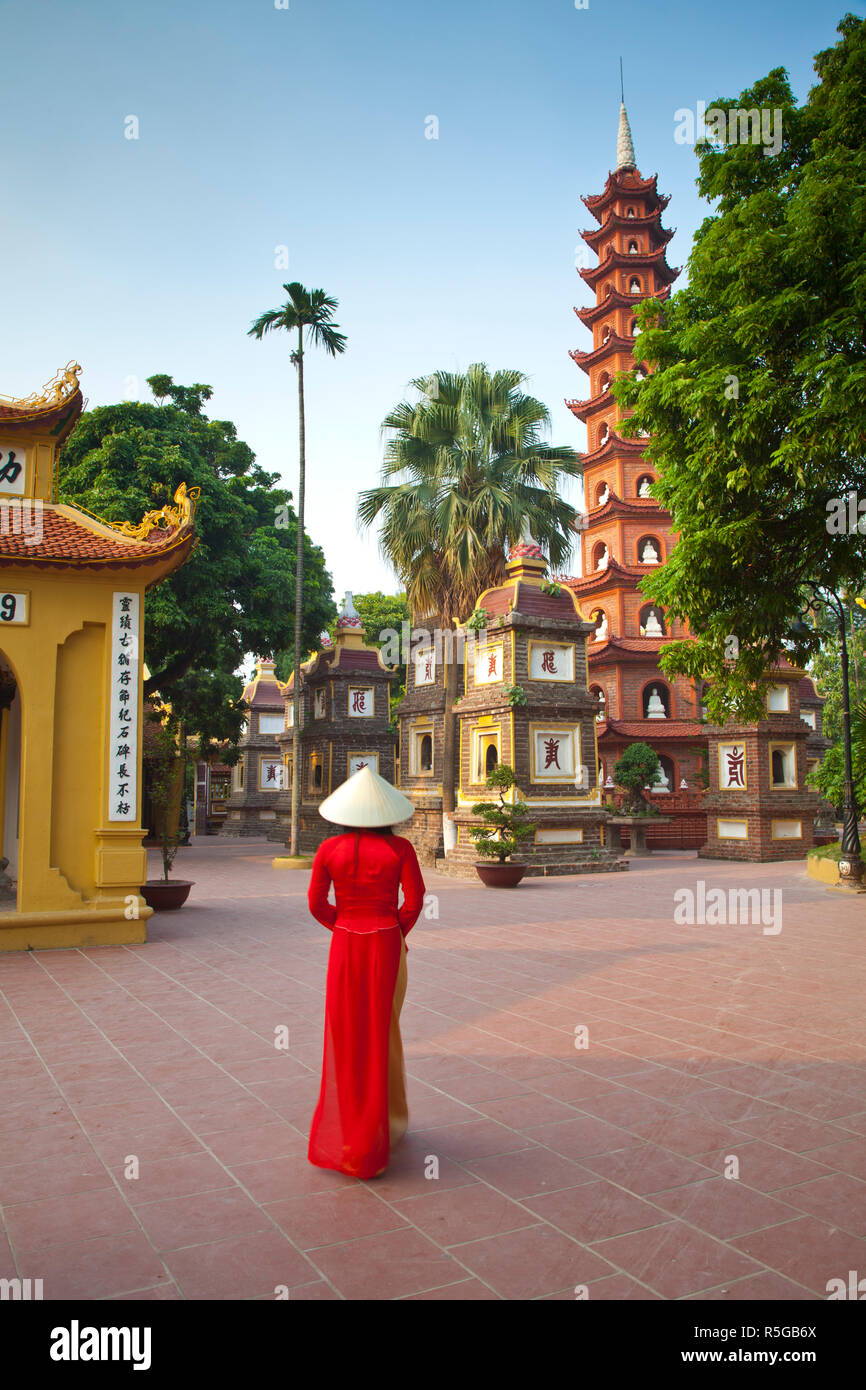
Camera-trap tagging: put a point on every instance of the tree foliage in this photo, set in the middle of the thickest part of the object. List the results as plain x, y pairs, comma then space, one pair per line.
465, 467
829, 776
825, 669
757, 401
235, 595
636, 769
506, 823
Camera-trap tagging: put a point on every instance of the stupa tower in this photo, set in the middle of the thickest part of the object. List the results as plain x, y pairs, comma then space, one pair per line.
627, 532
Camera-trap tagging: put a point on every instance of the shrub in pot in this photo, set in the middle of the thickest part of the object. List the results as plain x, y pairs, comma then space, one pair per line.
637, 768
505, 825
166, 786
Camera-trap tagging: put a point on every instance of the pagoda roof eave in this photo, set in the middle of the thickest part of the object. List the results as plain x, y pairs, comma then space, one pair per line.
618, 300
654, 730
613, 651
616, 222
55, 411
621, 260
588, 360
628, 506
70, 538
625, 181
608, 448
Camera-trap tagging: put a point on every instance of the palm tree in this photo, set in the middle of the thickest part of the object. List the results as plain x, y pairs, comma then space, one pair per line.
465, 469
310, 312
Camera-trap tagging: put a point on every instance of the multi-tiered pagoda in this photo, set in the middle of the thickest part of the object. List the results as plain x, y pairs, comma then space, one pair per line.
627, 532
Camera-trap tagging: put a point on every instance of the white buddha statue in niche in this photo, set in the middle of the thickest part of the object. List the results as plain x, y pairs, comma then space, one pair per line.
603, 559
603, 495
653, 626
662, 782
655, 709
644, 489
649, 555
601, 630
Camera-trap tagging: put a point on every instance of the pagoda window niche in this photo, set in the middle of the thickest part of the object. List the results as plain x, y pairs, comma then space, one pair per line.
603, 433
485, 757
634, 285
421, 753
783, 766
656, 701
665, 779
599, 617
651, 622
632, 248
602, 493
604, 382
600, 556
634, 329
605, 333
644, 483
649, 551
629, 212
602, 706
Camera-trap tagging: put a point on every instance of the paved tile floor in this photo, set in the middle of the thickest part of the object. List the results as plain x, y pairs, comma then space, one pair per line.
709, 1142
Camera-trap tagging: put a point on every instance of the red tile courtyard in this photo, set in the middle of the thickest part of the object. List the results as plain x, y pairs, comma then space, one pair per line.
604, 1103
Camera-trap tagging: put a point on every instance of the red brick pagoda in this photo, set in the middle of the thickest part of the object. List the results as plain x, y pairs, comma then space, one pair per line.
626, 531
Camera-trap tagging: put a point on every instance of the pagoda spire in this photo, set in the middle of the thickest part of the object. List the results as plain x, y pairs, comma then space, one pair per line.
624, 144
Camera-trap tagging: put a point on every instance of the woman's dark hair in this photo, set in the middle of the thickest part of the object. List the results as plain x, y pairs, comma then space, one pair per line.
371, 829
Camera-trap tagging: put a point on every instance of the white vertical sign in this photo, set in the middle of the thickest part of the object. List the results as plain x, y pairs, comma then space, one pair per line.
123, 730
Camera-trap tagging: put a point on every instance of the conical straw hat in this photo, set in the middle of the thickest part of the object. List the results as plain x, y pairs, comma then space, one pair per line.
366, 799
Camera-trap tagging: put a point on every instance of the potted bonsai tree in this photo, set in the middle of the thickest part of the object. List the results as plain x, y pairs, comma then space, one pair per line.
167, 767
505, 825
637, 768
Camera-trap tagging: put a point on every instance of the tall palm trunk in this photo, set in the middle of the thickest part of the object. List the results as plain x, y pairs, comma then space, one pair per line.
449, 734
299, 578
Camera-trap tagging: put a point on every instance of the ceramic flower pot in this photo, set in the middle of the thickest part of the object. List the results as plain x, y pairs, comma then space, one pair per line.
166, 894
500, 875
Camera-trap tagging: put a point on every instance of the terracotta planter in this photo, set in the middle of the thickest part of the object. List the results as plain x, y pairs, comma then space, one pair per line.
500, 875
166, 894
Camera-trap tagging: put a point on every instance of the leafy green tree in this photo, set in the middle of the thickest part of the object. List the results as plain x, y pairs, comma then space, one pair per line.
636, 769
505, 822
825, 670
829, 776
466, 467
757, 401
310, 314
236, 592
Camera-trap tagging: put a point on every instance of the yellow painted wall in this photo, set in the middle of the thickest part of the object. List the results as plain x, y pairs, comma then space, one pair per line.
77, 871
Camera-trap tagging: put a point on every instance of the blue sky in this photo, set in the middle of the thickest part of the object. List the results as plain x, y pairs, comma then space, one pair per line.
305, 127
